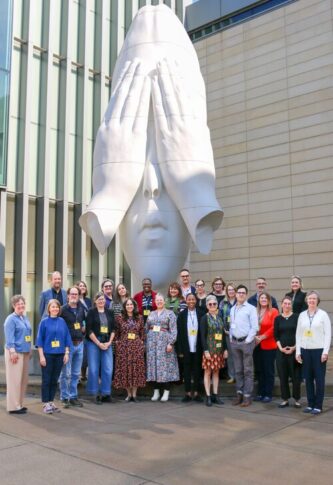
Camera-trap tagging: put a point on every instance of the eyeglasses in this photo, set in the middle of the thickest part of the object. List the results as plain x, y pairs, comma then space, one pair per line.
184, 275
74, 294
199, 286
218, 284
108, 286
212, 304
241, 292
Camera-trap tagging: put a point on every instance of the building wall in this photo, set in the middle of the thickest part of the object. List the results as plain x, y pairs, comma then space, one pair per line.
269, 87
63, 54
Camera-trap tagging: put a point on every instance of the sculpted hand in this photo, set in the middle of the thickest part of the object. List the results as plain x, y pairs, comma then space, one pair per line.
119, 156
185, 154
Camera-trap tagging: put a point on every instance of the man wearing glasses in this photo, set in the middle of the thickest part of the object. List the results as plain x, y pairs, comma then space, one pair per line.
185, 283
243, 329
107, 289
73, 314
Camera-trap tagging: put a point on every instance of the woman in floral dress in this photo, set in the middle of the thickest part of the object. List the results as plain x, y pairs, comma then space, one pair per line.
130, 365
215, 349
162, 365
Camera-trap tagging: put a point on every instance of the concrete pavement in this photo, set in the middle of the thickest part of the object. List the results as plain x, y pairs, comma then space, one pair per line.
166, 443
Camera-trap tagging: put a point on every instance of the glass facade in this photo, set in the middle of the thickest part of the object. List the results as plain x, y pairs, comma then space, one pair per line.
60, 55
5, 50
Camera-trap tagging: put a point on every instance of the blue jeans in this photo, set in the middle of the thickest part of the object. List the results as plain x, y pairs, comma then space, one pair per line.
314, 371
99, 360
50, 375
70, 373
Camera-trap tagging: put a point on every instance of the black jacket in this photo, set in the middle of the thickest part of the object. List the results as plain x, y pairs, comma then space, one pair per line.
253, 300
93, 324
182, 345
71, 318
299, 303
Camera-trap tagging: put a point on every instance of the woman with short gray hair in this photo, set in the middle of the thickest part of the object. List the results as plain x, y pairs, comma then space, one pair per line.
17, 354
313, 341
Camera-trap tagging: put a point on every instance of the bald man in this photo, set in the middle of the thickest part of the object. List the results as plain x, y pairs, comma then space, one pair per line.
55, 292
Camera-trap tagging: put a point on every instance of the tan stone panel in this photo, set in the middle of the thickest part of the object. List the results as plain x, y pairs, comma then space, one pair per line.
212, 76
307, 55
229, 124
213, 96
313, 223
214, 58
268, 141
263, 164
266, 79
213, 40
312, 64
232, 60
234, 99
233, 232
261, 61
269, 98
235, 221
258, 189
233, 210
225, 111
276, 249
233, 180
269, 217
270, 37
267, 48
314, 270
232, 149
313, 199
310, 87
312, 154
230, 71
276, 174
307, 11
273, 227
227, 243
215, 104
318, 108
221, 266
267, 130
271, 261
311, 75
311, 142
231, 80
228, 195
308, 27
267, 110
236, 30
317, 235
235, 50
271, 205
264, 29
317, 131
231, 139
284, 237
317, 183
226, 161
231, 170
228, 42
311, 119
269, 88
264, 70
265, 121
314, 211
272, 272
314, 258
226, 254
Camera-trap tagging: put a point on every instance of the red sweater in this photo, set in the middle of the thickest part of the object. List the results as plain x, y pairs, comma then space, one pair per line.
267, 329
138, 299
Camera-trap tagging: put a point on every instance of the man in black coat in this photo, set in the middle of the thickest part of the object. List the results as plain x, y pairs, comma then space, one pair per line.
189, 347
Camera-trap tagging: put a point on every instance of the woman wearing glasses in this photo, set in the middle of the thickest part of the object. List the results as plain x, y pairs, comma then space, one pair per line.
218, 289
215, 349
201, 295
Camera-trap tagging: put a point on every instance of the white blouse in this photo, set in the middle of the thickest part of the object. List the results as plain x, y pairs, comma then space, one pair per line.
313, 333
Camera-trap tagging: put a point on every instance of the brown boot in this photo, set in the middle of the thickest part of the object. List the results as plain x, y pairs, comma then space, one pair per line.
238, 399
246, 402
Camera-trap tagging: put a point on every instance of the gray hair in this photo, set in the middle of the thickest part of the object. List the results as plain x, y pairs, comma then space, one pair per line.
211, 298
313, 292
16, 298
159, 295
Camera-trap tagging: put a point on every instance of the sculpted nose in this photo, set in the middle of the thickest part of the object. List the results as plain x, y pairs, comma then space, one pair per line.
151, 182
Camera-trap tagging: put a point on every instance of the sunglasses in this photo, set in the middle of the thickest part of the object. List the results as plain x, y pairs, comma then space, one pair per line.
212, 304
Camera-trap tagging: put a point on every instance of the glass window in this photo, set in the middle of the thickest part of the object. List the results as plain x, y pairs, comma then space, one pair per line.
52, 214
70, 247
4, 97
5, 33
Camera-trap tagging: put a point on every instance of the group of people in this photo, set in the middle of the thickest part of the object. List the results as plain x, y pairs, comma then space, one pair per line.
189, 335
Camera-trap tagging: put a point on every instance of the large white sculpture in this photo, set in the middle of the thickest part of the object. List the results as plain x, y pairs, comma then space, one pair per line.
154, 174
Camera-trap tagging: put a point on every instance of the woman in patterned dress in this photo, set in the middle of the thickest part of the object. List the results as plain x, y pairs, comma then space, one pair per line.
162, 365
130, 364
215, 349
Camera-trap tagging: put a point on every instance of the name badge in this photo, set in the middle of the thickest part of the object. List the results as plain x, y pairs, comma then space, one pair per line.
228, 319
193, 333
146, 313
218, 336
218, 345
77, 326
308, 333
27, 338
104, 329
131, 336
55, 344
156, 328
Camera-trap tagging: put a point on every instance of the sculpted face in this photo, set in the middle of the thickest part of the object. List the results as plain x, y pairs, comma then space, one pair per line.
154, 174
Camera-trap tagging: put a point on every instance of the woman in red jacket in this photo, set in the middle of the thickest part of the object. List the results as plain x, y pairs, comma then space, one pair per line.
265, 338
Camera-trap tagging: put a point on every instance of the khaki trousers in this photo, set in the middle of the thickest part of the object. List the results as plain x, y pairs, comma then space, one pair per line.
16, 379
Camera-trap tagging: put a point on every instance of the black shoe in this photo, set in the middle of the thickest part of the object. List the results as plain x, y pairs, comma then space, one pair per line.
76, 402
98, 400
19, 411
106, 398
187, 398
209, 401
216, 399
24, 409
66, 403
134, 399
197, 398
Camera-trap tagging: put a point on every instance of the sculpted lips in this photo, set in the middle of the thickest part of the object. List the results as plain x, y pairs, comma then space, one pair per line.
153, 223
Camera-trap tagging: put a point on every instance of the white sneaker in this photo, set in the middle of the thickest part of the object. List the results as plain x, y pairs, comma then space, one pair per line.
47, 408
156, 395
165, 396
54, 408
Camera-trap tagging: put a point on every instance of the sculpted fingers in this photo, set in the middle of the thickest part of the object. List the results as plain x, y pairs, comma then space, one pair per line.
142, 110
119, 96
169, 99
159, 113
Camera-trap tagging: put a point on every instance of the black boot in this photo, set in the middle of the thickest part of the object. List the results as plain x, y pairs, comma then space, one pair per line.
216, 399
208, 401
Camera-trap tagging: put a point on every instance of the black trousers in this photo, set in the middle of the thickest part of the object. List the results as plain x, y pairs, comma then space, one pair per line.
266, 372
314, 372
289, 368
50, 375
162, 386
192, 368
